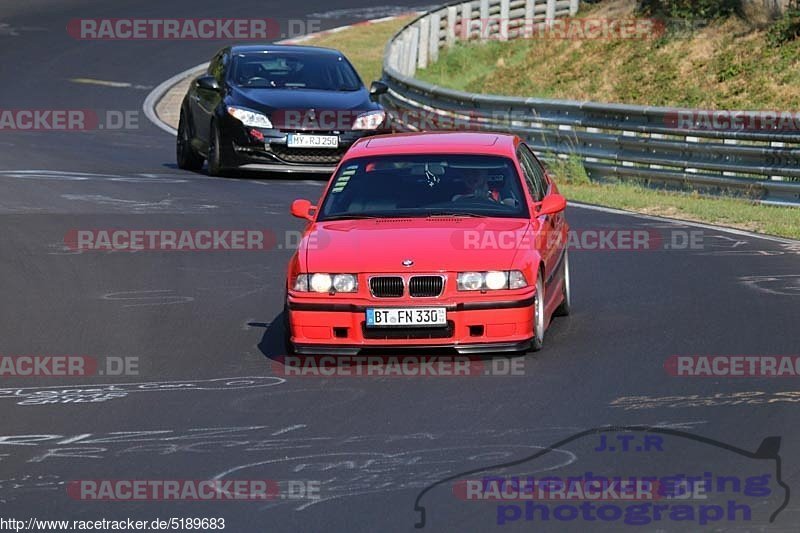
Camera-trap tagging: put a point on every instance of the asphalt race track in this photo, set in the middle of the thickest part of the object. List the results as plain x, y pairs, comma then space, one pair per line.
205, 326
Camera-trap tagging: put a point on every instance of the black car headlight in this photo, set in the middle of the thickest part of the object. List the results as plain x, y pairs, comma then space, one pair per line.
249, 118
370, 120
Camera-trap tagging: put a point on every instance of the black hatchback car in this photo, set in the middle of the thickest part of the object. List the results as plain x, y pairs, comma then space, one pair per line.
276, 108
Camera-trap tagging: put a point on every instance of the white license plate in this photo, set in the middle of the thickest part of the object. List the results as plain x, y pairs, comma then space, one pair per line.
297, 140
409, 316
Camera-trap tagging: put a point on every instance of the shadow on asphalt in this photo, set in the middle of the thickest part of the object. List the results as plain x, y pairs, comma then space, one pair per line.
273, 346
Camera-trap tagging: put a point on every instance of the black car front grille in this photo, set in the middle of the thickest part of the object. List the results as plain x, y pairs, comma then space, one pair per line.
425, 286
307, 155
445, 332
386, 286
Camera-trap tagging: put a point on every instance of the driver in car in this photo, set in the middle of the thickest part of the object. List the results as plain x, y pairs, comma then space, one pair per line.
477, 183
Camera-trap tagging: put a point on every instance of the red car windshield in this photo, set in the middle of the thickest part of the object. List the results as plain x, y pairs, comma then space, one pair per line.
425, 186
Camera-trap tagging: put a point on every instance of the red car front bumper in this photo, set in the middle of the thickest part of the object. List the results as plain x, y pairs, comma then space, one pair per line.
322, 326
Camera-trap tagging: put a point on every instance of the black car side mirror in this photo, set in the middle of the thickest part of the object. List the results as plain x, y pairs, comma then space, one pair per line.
377, 88
208, 83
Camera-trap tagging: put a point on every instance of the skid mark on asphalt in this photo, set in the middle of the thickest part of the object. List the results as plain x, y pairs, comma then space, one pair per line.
7, 30
725, 246
77, 394
100, 199
113, 84
630, 403
384, 466
63, 175
360, 473
781, 285
147, 297
290, 428
165, 204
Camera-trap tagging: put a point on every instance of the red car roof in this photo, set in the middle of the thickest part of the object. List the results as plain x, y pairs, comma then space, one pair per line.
436, 143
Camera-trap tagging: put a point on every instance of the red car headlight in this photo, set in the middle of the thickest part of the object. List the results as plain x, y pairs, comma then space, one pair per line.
493, 280
322, 282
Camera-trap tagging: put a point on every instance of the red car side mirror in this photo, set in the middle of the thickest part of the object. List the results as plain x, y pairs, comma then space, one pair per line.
552, 203
303, 209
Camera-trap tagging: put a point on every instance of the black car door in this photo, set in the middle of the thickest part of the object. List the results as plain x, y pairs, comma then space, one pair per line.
206, 101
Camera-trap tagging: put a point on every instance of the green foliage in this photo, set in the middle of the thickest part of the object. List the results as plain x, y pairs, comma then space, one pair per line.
787, 28
569, 170
689, 9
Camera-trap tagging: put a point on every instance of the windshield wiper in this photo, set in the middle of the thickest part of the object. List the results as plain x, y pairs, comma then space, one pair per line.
350, 217
455, 214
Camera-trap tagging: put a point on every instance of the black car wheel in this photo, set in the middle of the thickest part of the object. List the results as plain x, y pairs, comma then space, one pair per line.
187, 158
216, 164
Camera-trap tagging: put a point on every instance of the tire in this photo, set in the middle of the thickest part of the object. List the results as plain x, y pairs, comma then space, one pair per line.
538, 314
186, 157
216, 164
566, 304
287, 328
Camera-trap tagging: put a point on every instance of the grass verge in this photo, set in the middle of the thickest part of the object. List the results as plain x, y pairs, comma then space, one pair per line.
725, 65
363, 45
769, 220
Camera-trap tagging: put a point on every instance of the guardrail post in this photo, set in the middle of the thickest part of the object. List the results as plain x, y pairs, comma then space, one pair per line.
424, 46
657, 136
413, 43
504, 14
450, 29
550, 13
433, 51
591, 159
484, 19
729, 141
403, 60
573, 7
530, 13
466, 20
691, 139
627, 133
777, 144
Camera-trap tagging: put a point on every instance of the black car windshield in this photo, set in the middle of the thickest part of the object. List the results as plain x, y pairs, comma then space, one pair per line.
425, 186
293, 70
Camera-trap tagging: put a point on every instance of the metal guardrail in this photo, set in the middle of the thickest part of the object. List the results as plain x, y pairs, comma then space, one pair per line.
667, 145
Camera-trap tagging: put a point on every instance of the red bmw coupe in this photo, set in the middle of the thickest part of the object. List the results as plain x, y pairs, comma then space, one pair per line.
430, 240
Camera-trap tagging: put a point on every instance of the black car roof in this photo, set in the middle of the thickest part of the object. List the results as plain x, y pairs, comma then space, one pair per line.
284, 48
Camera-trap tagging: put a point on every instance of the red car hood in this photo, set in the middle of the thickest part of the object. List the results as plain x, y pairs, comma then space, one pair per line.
452, 244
